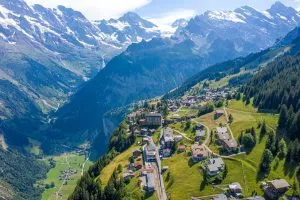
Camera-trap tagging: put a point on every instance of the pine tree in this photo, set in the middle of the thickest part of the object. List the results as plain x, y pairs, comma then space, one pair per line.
282, 149
283, 117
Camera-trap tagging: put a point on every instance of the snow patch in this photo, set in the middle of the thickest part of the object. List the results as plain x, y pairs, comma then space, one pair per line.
119, 25
226, 15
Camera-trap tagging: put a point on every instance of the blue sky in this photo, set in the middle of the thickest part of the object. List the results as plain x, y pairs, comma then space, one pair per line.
163, 11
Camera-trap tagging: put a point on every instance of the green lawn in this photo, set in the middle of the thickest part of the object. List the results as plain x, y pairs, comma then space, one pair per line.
243, 168
75, 161
187, 178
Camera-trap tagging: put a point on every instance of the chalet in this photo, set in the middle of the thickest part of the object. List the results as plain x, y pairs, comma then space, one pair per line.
199, 126
230, 145
127, 176
144, 131
131, 117
173, 108
215, 166
167, 152
138, 165
222, 134
181, 148
198, 152
225, 140
235, 189
136, 153
137, 132
199, 134
276, 188
150, 153
145, 140
153, 119
178, 138
167, 140
219, 113
150, 183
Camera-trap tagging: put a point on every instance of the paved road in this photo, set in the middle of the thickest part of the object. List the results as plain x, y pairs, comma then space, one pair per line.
161, 190
159, 182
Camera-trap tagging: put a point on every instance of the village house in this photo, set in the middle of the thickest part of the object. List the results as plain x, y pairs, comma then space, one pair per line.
222, 134
178, 138
225, 140
199, 126
181, 148
276, 188
150, 183
144, 132
235, 189
230, 145
167, 140
145, 140
198, 152
150, 153
138, 165
136, 153
127, 176
153, 119
131, 118
219, 113
200, 135
166, 152
215, 166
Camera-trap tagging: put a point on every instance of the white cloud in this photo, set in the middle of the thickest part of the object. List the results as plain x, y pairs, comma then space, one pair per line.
165, 20
170, 17
96, 9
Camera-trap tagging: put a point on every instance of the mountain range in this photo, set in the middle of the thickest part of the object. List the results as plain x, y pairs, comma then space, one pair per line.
150, 69
49, 54
65, 79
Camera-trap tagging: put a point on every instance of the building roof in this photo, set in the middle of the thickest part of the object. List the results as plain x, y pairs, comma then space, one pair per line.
219, 111
223, 135
168, 135
200, 133
215, 164
221, 129
235, 186
150, 148
199, 150
153, 115
231, 143
150, 180
279, 183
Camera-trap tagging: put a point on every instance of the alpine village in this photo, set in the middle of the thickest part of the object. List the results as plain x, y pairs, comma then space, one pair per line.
142, 127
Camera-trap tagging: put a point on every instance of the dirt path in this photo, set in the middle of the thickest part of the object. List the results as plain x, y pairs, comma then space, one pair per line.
183, 135
86, 160
227, 124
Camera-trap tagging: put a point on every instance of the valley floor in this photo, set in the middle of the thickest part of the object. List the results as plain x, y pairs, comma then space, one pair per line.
61, 180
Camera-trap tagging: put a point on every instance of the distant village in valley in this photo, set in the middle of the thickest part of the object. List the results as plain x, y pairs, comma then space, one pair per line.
167, 128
